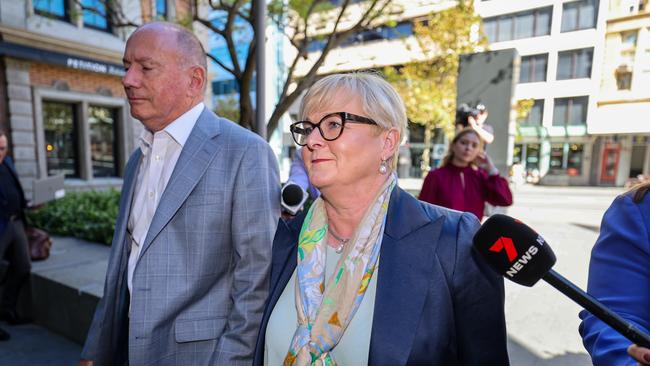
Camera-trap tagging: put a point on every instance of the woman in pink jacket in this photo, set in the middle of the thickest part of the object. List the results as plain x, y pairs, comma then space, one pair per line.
467, 178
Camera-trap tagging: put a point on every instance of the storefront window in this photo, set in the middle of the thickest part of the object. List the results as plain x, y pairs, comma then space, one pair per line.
516, 154
574, 160
557, 158
103, 129
532, 157
60, 139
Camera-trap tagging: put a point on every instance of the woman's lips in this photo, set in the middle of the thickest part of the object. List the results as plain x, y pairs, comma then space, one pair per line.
316, 161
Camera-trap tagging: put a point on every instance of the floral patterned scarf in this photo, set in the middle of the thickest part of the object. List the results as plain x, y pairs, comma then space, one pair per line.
325, 309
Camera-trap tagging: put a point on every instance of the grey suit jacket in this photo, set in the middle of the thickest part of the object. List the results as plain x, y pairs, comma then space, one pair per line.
201, 280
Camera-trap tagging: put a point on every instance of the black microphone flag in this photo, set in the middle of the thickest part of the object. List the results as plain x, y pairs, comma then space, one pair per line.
518, 253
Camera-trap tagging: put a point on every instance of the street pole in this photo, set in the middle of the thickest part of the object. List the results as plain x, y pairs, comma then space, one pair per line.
260, 40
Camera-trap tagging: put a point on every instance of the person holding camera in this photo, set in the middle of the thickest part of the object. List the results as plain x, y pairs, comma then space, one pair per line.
467, 178
474, 118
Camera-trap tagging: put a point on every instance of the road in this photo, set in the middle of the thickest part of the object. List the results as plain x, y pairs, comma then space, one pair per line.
542, 323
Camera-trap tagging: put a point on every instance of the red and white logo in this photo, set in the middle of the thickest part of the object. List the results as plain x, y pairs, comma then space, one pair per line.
504, 243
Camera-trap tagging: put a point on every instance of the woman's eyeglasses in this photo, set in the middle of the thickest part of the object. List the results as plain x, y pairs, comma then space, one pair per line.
330, 126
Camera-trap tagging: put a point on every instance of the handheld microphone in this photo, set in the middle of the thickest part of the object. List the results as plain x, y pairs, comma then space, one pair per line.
293, 197
518, 253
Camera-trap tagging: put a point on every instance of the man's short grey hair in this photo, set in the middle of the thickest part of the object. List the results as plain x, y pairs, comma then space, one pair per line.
380, 101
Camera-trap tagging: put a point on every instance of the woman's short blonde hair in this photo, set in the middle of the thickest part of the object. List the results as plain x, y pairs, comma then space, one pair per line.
379, 99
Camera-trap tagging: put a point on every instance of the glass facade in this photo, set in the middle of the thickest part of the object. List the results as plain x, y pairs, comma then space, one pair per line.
61, 142
103, 132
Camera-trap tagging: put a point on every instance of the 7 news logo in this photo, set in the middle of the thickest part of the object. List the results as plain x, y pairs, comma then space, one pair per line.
504, 243
518, 262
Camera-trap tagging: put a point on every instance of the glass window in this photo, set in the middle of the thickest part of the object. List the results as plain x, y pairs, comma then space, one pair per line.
533, 68
628, 39
103, 133
532, 157
574, 64
524, 25
570, 111
505, 28
490, 28
95, 15
543, 22
161, 9
516, 153
578, 15
53, 8
61, 151
531, 23
535, 115
623, 80
574, 160
557, 158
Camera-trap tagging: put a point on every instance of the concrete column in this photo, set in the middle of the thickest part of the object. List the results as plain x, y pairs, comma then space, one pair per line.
21, 122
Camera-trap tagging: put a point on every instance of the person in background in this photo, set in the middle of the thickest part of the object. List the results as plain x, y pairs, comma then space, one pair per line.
15, 263
467, 178
619, 276
369, 275
298, 175
474, 118
188, 273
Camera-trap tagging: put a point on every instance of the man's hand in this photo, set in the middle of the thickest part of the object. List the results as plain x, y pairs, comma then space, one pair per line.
640, 354
85, 363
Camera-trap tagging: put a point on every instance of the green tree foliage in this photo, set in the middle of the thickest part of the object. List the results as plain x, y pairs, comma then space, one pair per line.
428, 87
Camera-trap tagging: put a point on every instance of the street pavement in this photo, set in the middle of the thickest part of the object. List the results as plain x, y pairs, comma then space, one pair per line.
542, 323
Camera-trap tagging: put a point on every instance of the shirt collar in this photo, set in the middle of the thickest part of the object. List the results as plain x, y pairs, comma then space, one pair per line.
179, 129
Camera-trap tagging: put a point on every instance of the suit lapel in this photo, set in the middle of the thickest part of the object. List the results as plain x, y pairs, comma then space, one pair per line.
405, 264
128, 187
198, 151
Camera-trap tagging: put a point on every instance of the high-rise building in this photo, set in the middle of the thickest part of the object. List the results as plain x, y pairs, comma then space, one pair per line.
621, 126
561, 45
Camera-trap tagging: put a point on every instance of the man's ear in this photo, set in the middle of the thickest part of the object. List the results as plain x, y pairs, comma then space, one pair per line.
198, 78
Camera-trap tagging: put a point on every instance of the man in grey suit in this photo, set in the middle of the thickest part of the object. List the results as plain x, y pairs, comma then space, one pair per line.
188, 273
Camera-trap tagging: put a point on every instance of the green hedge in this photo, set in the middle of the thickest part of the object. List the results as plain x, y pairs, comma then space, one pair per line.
85, 215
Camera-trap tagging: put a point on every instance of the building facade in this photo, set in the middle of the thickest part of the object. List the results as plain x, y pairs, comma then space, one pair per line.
621, 126
61, 96
560, 44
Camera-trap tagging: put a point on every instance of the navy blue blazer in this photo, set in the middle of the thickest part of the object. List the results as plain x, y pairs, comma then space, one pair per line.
437, 303
12, 170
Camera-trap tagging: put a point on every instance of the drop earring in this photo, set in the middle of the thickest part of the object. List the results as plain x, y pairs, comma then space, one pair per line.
383, 167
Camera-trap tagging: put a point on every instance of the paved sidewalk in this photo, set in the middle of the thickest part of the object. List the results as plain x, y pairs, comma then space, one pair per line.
34, 345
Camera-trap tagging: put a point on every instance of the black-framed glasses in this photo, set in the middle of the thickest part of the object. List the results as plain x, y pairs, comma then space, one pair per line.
330, 127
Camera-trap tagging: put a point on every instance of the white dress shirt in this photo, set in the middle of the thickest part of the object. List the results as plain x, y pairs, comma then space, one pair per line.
160, 152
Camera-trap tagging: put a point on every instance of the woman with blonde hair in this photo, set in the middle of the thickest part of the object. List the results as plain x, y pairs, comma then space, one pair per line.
467, 178
369, 275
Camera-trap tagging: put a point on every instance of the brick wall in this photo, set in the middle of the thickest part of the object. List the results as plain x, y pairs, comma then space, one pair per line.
78, 81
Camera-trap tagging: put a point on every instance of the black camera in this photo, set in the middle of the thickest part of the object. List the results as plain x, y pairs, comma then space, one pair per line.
464, 111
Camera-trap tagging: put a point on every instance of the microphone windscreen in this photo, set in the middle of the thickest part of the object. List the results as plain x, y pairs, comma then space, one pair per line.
514, 250
292, 194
